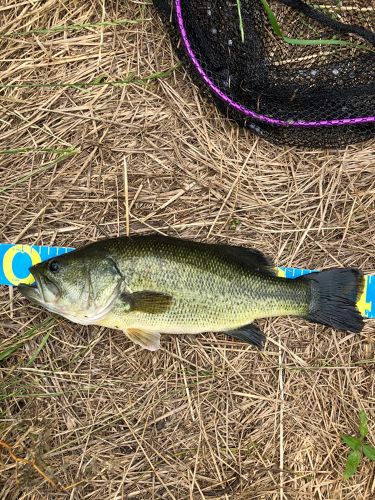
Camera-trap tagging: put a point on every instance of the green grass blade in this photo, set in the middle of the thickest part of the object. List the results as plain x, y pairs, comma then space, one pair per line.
59, 151
31, 333
73, 27
9, 351
130, 79
4, 397
272, 19
39, 348
37, 171
241, 21
319, 41
301, 41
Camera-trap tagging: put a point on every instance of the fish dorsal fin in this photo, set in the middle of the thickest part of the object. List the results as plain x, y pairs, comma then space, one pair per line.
148, 340
252, 259
147, 301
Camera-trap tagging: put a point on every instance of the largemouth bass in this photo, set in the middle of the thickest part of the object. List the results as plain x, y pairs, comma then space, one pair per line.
147, 285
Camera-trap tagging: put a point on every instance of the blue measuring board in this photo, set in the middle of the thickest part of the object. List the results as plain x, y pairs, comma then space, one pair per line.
15, 261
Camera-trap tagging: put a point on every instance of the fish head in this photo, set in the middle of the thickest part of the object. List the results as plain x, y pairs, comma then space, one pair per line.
81, 286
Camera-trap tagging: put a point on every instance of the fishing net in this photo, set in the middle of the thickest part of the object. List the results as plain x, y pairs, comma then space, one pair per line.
294, 72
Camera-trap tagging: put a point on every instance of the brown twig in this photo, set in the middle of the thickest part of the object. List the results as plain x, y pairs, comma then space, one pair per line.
26, 461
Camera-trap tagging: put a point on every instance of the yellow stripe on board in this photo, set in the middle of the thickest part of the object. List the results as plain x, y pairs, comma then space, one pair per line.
362, 304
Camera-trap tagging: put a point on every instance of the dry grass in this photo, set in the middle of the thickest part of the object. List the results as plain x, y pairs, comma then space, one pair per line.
205, 416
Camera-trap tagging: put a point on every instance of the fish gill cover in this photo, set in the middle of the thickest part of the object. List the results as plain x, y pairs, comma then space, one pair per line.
294, 72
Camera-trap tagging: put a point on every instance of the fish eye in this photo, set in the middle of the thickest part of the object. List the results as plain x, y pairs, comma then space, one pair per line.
54, 266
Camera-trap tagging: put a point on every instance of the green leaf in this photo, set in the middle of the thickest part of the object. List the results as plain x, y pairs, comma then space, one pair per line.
363, 427
369, 451
354, 443
241, 21
352, 463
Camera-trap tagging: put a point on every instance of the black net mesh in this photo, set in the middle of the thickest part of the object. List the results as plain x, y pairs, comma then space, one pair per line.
309, 95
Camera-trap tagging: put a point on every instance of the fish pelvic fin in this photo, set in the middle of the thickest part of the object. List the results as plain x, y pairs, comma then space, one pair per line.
334, 296
250, 334
147, 340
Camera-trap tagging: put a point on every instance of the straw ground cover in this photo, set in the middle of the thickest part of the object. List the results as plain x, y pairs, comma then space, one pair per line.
205, 416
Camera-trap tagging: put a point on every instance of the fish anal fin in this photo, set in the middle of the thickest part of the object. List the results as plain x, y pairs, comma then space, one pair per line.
147, 301
147, 340
252, 259
250, 334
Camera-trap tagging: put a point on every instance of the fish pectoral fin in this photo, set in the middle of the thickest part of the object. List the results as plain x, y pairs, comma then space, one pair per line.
250, 334
147, 301
148, 340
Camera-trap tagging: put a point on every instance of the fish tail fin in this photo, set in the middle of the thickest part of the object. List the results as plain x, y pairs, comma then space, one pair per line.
334, 296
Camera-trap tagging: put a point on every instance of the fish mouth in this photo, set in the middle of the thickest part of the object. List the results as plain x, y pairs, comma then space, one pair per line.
44, 291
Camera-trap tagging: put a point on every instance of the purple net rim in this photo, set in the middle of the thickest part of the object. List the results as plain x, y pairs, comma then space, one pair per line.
246, 111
